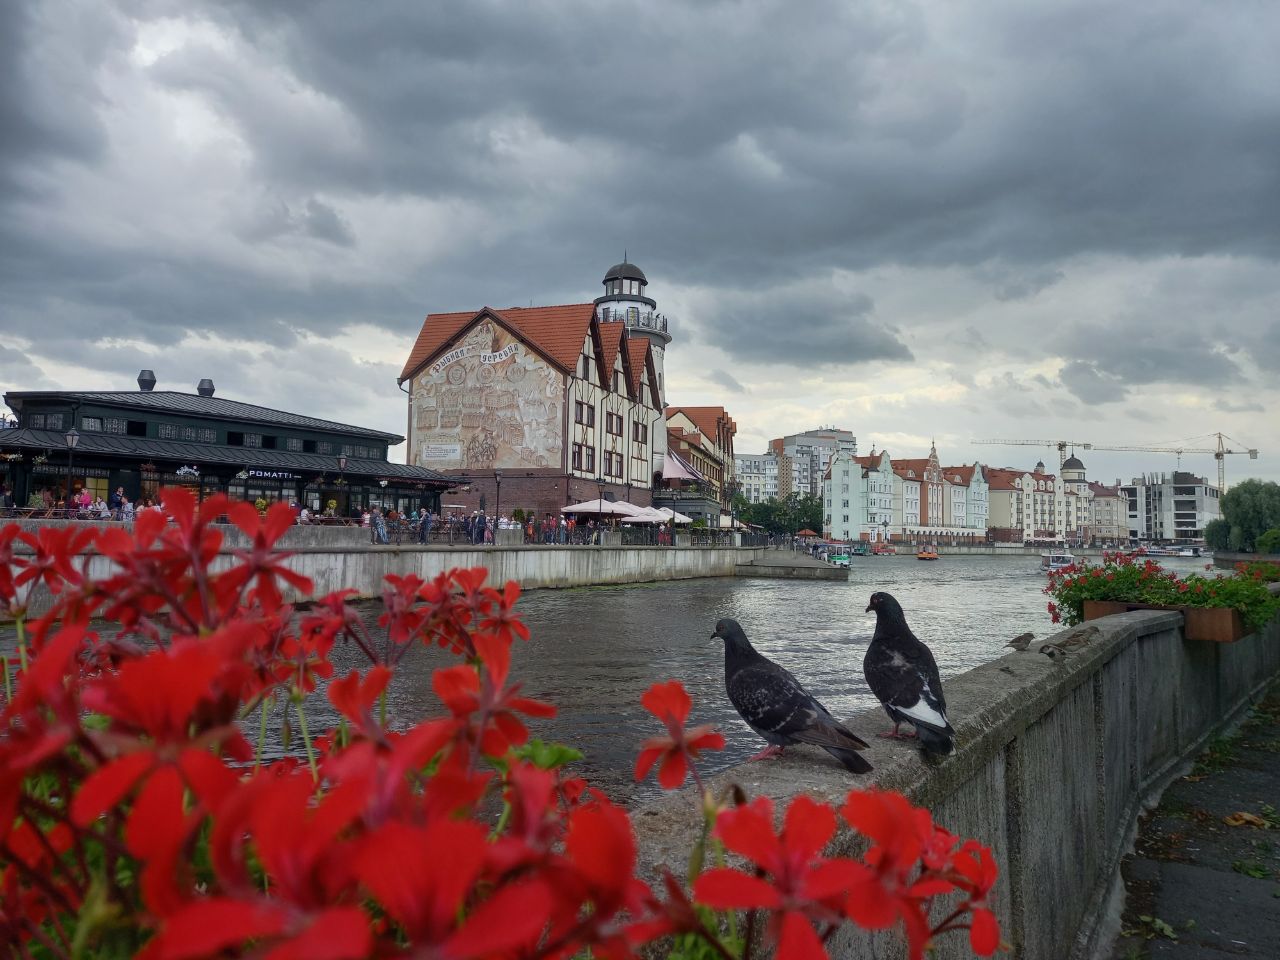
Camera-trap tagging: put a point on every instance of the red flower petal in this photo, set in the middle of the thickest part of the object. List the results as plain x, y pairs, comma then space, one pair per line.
107, 785
984, 932
207, 927
798, 940
726, 889
667, 700
808, 826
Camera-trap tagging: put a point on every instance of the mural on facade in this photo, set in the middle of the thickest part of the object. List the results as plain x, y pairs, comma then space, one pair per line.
488, 401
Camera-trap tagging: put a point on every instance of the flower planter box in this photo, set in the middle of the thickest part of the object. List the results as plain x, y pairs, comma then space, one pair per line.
1217, 624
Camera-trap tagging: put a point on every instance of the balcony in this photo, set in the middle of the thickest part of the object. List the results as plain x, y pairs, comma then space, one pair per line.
645, 320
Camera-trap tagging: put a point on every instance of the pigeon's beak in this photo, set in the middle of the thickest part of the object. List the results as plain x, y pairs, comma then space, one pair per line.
715, 636
870, 607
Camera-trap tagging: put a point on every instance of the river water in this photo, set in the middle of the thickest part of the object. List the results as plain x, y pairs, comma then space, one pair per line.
595, 650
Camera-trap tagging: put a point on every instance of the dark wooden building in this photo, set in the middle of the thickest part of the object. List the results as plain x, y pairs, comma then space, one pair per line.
146, 439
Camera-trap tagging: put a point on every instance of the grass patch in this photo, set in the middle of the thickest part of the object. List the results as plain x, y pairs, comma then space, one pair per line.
1218, 754
1251, 868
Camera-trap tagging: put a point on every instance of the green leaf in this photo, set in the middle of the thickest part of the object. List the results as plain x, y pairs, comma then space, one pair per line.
547, 756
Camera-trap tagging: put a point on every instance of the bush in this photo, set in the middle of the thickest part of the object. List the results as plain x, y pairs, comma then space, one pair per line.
1217, 534
1132, 578
1269, 542
137, 819
518, 515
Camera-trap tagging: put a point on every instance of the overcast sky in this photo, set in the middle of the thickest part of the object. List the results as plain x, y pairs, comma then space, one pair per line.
942, 219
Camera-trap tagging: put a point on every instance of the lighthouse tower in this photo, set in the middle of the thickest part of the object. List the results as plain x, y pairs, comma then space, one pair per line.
625, 301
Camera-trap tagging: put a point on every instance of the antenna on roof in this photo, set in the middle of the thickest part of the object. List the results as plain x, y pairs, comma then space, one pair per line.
624, 254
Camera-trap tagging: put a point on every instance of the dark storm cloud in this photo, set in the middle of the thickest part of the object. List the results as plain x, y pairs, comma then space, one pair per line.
745, 149
1091, 385
808, 326
726, 380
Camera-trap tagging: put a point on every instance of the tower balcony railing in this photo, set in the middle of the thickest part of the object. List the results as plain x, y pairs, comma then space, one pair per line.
646, 320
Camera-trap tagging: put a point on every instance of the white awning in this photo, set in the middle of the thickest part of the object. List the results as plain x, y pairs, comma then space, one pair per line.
673, 516
611, 508
674, 468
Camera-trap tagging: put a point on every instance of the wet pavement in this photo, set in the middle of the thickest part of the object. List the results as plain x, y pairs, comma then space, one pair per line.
1204, 879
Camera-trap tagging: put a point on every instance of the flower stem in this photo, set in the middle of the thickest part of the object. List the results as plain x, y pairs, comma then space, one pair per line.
8, 681
262, 735
306, 739
22, 642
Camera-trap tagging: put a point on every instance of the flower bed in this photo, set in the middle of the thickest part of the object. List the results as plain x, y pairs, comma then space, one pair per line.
136, 819
1138, 582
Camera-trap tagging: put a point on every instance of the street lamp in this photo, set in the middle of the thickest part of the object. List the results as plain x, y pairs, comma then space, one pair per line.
497, 497
885, 524
599, 509
73, 441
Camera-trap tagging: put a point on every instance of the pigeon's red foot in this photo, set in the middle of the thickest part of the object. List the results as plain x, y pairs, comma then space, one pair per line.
768, 753
895, 735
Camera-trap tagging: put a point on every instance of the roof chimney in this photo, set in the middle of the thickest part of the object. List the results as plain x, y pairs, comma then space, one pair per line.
146, 381
205, 388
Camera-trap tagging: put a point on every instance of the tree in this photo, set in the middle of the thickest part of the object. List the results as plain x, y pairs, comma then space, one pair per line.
1217, 534
1251, 508
1269, 542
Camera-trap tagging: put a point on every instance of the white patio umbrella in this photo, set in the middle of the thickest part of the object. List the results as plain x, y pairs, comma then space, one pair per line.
610, 508
648, 515
673, 516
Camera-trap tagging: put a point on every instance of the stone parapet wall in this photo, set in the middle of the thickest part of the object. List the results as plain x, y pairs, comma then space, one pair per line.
1053, 766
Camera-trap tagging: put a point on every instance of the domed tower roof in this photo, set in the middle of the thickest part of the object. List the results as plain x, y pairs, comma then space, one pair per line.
1072, 463
626, 271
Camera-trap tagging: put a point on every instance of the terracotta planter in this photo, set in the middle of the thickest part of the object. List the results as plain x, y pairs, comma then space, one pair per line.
1217, 624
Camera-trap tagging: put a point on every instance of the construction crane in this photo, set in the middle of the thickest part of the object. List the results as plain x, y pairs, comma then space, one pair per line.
1062, 445
1219, 452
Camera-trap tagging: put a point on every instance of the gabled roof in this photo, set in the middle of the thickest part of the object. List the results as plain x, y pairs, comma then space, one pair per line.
637, 357
706, 419
557, 332
918, 464
1003, 478
964, 473
194, 405
1102, 490
610, 344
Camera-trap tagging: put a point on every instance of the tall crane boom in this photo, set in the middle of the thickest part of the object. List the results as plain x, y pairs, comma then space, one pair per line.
1219, 452
1062, 445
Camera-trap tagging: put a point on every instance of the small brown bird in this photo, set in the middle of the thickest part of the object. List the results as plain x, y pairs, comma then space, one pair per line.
1054, 652
1021, 641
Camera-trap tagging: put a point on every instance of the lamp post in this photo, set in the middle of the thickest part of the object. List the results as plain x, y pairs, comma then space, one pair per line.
73, 440
599, 509
885, 524
497, 496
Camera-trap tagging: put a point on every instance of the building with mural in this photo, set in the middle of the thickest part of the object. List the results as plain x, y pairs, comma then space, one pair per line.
538, 407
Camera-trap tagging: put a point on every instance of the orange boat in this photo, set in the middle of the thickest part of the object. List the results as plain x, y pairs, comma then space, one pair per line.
927, 553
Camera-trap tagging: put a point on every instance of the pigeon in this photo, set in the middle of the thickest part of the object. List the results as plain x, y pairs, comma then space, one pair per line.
904, 677
776, 706
1021, 641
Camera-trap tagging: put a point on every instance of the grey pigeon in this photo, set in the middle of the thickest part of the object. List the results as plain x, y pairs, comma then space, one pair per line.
776, 706
1021, 641
904, 677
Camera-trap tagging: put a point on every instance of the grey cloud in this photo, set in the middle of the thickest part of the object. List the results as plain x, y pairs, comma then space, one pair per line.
812, 325
726, 380
1091, 385
1229, 406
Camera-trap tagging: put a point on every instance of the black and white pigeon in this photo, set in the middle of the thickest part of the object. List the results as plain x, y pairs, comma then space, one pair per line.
777, 707
902, 673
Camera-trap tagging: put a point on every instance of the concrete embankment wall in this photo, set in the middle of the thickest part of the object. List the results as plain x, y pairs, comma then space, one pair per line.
341, 558
1227, 560
1053, 765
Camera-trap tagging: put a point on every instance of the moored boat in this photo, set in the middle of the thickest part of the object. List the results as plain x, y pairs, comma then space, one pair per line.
1056, 561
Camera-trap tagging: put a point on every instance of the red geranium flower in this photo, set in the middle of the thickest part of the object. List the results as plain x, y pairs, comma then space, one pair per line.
677, 751
801, 885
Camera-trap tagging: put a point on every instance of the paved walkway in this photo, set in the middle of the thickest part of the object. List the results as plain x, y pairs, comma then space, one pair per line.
1198, 886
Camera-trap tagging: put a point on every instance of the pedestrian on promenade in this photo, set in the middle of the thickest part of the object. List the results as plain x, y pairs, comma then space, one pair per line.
379, 526
126, 509
478, 529
7, 506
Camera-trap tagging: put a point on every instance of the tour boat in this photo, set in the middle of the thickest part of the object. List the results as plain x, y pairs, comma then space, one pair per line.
880, 549
1056, 561
927, 553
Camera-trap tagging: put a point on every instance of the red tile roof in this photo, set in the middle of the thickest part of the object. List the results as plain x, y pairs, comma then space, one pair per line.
637, 357
610, 341
557, 332
1102, 490
965, 474
706, 419
1002, 478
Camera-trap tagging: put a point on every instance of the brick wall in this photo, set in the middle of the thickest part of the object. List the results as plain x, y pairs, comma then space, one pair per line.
540, 491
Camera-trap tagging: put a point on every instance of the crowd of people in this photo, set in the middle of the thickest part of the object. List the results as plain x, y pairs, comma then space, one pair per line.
84, 504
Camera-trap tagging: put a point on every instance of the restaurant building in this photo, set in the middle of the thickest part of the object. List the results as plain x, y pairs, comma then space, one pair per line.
146, 439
